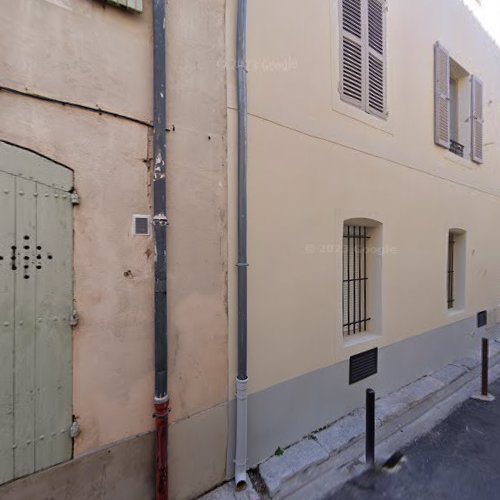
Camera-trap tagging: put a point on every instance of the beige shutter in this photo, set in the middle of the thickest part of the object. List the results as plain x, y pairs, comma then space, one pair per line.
351, 85
477, 119
376, 57
441, 96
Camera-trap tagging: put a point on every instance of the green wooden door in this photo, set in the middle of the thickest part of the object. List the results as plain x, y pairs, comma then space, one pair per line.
36, 302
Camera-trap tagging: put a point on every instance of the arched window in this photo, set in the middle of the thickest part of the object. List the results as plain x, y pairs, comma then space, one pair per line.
361, 269
455, 274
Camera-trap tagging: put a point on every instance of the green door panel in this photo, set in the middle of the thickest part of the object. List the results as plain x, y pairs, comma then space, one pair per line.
23, 163
7, 232
36, 302
54, 304
24, 348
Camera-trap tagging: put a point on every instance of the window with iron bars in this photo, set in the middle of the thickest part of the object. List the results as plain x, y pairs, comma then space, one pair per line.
451, 271
355, 280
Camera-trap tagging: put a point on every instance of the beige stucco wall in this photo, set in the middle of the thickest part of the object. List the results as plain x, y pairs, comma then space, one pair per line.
315, 161
83, 52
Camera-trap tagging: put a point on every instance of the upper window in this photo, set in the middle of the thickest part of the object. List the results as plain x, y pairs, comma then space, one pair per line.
362, 68
458, 108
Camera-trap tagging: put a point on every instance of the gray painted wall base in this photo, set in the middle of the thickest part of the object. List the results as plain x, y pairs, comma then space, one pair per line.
395, 412
276, 419
123, 471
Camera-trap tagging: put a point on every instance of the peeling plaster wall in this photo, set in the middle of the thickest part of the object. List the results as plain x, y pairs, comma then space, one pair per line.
83, 52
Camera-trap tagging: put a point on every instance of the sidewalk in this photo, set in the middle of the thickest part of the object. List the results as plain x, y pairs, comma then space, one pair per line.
321, 463
458, 460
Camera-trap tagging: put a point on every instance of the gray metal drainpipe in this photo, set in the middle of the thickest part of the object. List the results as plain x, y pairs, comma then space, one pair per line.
240, 476
160, 240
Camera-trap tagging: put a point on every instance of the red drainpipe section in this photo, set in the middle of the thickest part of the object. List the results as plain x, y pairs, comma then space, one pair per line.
161, 417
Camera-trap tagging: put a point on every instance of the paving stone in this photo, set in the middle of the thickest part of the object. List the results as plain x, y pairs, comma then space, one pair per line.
469, 362
341, 433
403, 399
299, 457
448, 373
494, 348
228, 492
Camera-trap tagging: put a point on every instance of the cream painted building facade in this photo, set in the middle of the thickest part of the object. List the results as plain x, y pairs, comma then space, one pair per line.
318, 159
76, 89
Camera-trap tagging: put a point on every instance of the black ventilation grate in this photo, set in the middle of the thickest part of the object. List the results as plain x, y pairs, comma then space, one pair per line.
363, 365
141, 225
482, 318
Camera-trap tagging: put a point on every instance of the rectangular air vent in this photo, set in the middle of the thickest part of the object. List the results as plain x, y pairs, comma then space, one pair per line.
140, 225
482, 318
363, 365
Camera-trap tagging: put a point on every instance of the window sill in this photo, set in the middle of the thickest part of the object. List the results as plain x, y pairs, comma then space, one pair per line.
360, 338
357, 114
458, 160
453, 313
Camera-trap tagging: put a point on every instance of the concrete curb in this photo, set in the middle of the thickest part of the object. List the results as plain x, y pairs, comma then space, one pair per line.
228, 492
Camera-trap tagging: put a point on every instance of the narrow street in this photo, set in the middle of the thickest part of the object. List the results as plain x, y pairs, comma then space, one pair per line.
458, 460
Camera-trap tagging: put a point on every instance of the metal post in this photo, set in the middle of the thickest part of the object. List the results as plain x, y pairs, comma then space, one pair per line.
484, 371
484, 395
370, 427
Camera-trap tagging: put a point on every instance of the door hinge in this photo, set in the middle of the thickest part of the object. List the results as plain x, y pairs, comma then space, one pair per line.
74, 318
75, 198
74, 429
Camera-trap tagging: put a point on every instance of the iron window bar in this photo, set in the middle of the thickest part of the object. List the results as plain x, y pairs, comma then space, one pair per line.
457, 148
355, 280
451, 270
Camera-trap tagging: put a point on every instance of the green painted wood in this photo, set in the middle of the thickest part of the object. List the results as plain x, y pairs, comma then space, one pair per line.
36, 302
24, 348
135, 5
7, 238
28, 165
54, 303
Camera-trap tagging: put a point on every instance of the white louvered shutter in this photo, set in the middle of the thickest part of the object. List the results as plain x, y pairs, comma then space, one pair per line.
477, 119
351, 85
375, 54
441, 96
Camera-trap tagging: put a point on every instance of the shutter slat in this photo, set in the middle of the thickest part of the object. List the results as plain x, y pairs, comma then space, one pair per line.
351, 17
376, 84
352, 71
477, 119
375, 55
376, 25
441, 96
352, 52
